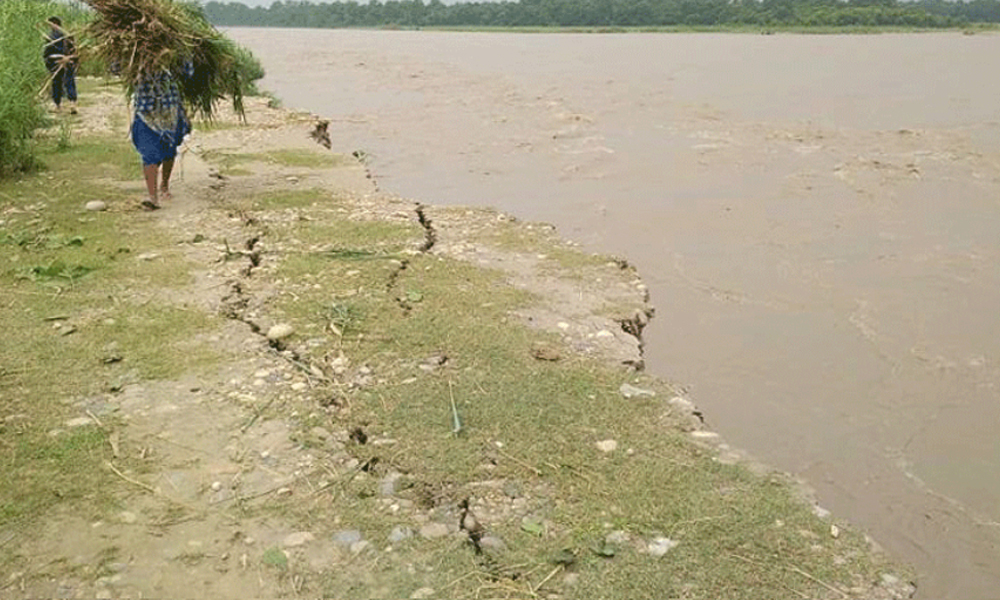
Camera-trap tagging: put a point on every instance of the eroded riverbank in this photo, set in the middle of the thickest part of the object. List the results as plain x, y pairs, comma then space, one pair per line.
814, 216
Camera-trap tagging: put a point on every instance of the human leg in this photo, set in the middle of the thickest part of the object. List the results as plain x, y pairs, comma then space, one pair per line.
57, 87
168, 167
150, 173
69, 85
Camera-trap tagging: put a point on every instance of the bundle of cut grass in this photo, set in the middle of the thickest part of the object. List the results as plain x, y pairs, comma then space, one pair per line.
143, 37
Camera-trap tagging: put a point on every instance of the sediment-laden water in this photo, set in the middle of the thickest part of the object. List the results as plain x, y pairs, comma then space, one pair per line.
817, 217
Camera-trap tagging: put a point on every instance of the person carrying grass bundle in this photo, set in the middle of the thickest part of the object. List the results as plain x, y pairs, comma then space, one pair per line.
61, 60
159, 125
172, 62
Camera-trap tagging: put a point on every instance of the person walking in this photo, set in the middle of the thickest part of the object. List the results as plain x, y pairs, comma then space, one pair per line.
61, 61
159, 125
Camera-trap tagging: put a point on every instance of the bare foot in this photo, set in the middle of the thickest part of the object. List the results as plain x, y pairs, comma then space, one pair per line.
149, 204
165, 194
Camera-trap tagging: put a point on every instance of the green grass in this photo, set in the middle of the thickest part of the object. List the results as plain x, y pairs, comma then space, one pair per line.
84, 316
740, 536
309, 159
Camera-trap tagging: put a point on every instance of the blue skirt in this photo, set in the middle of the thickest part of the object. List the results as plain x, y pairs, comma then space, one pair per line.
155, 147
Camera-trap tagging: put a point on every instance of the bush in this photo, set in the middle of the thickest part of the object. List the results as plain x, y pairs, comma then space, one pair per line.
22, 77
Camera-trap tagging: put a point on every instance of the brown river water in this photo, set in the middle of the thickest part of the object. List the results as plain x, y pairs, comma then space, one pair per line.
817, 218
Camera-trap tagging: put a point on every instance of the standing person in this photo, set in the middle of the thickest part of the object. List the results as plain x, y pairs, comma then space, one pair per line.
61, 59
158, 128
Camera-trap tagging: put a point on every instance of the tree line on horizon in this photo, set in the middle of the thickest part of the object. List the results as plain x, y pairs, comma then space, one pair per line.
609, 13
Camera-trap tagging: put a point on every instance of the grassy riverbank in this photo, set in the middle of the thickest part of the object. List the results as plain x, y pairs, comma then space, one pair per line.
289, 383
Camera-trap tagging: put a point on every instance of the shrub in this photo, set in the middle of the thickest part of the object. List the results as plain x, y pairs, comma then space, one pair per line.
22, 78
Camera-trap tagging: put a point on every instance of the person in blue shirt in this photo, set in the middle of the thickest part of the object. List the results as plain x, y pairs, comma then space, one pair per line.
159, 125
61, 61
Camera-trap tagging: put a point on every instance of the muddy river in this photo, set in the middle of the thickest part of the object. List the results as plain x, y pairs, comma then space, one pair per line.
817, 217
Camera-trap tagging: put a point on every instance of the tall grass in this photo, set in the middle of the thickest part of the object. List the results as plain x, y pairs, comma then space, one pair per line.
22, 77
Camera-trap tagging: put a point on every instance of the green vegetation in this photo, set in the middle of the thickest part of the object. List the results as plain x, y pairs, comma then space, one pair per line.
22, 75
24, 79
530, 423
614, 14
81, 299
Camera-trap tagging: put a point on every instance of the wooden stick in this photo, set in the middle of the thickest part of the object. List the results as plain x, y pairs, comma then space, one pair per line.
148, 488
547, 578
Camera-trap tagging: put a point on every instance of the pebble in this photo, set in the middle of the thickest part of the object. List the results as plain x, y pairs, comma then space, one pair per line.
400, 533
298, 538
280, 331
347, 537
607, 445
434, 530
128, 517
492, 542
420, 594
79, 422
216, 486
630, 391
661, 545
298, 386
617, 537
96, 205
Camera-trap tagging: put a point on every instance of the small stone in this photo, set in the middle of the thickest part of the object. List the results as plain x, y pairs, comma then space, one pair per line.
420, 594
607, 445
319, 434
298, 538
96, 205
492, 542
298, 386
147, 256
347, 537
128, 517
604, 333
387, 487
682, 404
512, 489
79, 422
834, 531
562, 325
434, 530
280, 331
545, 352
617, 537
889, 580
262, 374
400, 533
660, 546
630, 391
284, 491
216, 486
